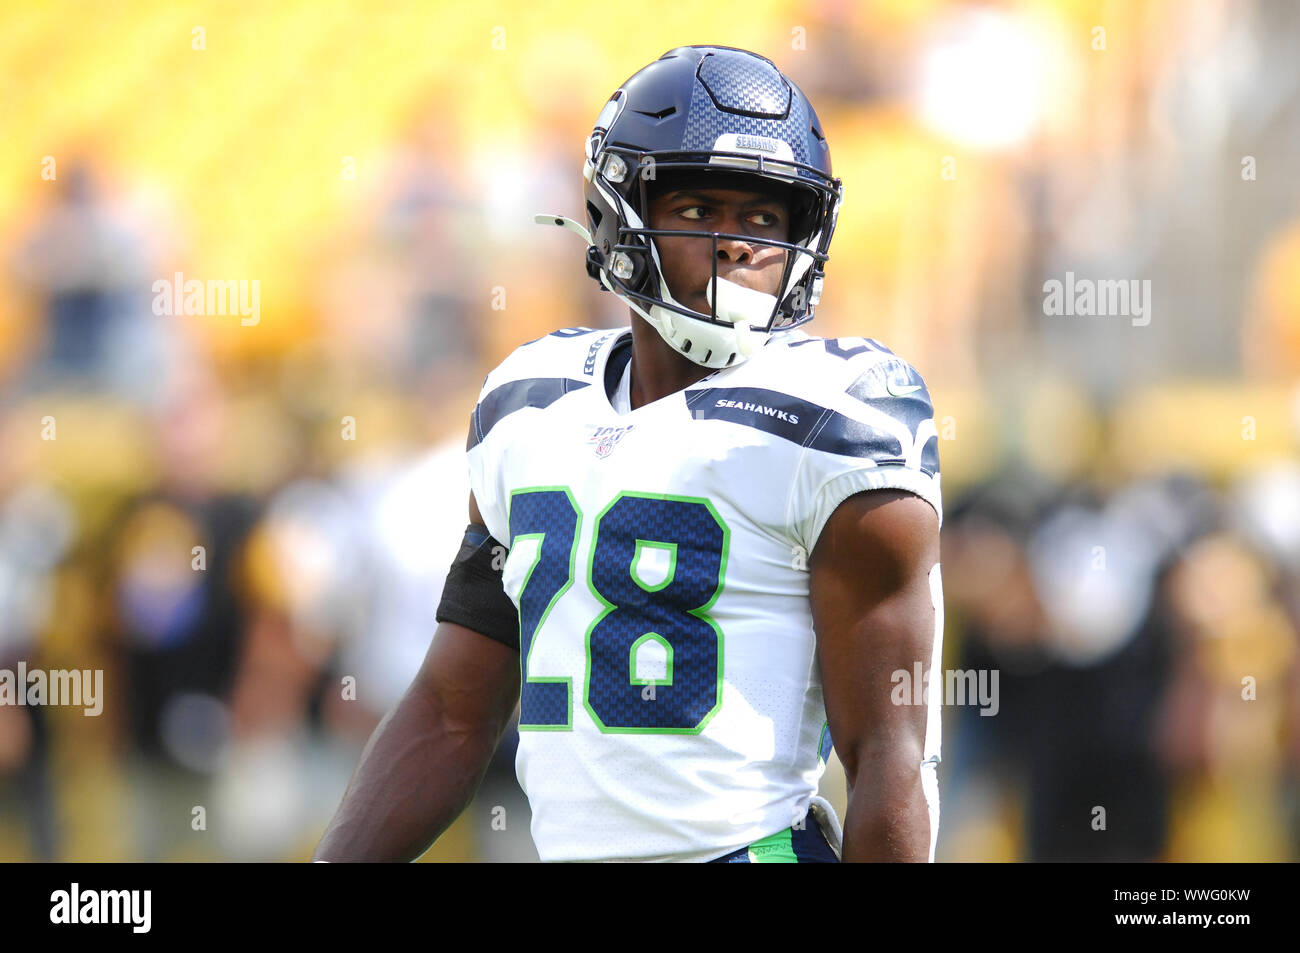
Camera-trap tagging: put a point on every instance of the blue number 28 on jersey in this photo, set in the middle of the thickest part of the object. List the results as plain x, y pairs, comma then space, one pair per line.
673, 612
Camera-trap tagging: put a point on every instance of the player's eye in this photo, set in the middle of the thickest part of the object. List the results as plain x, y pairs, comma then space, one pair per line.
769, 219
689, 211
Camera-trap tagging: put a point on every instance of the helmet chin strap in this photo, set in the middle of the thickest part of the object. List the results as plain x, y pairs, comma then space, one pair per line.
740, 305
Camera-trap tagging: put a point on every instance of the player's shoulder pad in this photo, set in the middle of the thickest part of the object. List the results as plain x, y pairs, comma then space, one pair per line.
876, 404
536, 374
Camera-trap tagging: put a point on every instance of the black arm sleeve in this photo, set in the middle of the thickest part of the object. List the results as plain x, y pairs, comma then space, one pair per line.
473, 595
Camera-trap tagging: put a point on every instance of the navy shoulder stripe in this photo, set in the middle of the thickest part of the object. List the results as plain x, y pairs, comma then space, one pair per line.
799, 421
516, 395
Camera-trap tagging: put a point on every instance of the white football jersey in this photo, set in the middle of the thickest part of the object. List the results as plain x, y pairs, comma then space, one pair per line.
671, 704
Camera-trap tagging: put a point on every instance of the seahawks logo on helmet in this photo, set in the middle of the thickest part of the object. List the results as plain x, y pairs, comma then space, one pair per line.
728, 116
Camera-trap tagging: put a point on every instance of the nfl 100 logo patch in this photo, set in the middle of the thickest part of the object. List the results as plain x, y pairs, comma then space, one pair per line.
604, 439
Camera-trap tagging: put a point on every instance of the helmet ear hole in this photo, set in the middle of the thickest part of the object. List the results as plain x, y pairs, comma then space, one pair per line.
642, 273
631, 266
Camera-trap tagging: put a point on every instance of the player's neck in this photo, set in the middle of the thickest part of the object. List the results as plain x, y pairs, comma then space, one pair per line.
658, 370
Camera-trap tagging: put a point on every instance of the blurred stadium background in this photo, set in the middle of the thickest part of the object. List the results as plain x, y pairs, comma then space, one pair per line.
1122, 526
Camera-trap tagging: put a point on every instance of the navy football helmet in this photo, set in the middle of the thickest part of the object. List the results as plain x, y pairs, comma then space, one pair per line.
727, 118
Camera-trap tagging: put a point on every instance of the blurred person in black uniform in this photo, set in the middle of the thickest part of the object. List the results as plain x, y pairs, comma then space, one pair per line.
1066, 602
177, 609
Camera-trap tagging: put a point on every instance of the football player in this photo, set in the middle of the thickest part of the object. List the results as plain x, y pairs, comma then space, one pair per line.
699, 547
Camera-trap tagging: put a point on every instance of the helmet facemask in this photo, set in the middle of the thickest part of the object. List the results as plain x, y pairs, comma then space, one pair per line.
624, 181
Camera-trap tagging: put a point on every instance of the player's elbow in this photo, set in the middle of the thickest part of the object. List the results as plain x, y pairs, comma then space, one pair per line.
880, 757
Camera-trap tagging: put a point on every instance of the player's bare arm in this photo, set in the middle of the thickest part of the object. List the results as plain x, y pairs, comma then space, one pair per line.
874, 615
422, 765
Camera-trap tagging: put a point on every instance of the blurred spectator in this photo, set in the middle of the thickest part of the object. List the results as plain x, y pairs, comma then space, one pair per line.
89, 262
37, 527
177, 606
1061, 595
